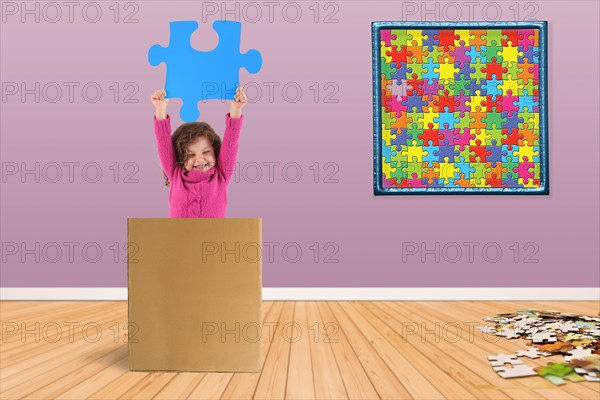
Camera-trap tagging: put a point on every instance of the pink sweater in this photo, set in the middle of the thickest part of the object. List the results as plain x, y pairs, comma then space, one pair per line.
198, 194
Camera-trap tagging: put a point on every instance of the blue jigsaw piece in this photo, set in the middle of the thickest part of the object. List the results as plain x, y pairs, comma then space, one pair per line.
431, 156
387, 151
463, 168
194, 75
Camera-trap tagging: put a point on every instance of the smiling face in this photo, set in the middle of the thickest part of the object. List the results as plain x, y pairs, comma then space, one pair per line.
200, 155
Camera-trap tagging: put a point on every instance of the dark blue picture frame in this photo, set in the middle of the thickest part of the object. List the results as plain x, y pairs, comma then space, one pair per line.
542, 26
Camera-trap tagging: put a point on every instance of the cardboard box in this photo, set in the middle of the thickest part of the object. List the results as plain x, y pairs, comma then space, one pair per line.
195, 294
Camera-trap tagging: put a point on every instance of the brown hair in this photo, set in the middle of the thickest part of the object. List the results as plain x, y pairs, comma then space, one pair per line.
187, 134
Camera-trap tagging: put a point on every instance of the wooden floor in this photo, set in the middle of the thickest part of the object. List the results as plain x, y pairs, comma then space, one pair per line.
363, 350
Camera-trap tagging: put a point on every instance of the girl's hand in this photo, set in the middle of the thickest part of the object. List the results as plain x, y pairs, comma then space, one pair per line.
160, 102
239, 102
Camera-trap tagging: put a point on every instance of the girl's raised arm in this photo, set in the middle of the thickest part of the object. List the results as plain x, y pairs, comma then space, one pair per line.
162, 131
229, 146
231, 137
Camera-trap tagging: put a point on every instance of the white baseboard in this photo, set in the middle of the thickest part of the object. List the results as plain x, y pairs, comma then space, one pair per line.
271, 294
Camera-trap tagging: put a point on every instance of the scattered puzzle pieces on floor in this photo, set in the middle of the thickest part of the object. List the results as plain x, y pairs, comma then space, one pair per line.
548, 333
460, 108
194, 75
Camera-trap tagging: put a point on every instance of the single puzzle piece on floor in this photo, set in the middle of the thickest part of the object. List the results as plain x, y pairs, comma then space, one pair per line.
591, 377
578, 353
583, 342
507, 332
569, 326
517, 371
500, 359
558, 372
557, 347
194, 75
543, 337
532, 352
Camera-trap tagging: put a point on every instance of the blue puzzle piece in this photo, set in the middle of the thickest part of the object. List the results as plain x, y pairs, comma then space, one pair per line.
474, 54
431, 156
430, 67
495, 154
401, 138
197, 75
414, 103
512, 119
430, 40
402, 72
463, 168
446, 119
492, 87
446, 152
526, 102
387, 151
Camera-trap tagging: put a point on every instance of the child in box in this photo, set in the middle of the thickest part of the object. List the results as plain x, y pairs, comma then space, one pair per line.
196, 164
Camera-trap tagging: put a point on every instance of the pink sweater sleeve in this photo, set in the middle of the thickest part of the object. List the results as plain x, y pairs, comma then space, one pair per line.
166, 152
229, 146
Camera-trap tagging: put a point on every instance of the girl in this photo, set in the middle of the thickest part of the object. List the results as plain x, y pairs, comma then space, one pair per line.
196, 165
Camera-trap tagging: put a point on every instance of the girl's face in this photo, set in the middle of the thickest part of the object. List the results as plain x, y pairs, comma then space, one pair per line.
201, 155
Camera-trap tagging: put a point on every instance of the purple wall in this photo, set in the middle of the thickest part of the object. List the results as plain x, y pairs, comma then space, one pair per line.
325, 134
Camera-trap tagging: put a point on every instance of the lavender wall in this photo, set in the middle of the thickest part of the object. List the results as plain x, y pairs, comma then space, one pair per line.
324, 134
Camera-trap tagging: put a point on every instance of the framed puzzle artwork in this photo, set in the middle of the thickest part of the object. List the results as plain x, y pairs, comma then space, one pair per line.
460, 108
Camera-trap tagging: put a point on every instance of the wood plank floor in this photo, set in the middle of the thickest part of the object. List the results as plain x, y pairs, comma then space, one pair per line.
347, 350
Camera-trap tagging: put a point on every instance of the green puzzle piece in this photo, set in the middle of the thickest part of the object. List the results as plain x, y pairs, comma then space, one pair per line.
556, 369
387, 69
417, 68
464, 122
387, 119
493, 35
494, 135
461, 85
402, 37
401, 171
478, 171
494, 118
465, 154
558, 372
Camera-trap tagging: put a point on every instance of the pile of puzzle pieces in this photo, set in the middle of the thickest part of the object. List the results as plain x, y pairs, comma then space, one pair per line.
460, 108
550, 332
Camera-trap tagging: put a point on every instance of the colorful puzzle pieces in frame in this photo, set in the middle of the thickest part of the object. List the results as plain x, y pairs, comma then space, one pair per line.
460, 108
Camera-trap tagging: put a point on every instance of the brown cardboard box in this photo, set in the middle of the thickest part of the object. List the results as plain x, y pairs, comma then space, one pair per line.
195, 293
